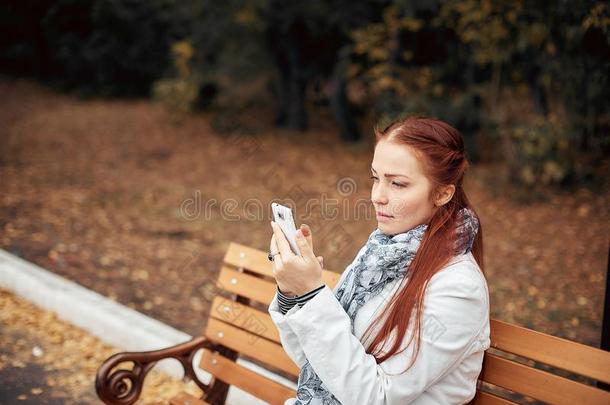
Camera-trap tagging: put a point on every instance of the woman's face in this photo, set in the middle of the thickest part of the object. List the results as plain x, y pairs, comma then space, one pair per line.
400, 189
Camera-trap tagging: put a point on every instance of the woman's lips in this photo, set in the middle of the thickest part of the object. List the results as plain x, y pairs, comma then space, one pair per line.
383, 217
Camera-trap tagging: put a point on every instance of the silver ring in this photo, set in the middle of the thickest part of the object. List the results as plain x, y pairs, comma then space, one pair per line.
271, 255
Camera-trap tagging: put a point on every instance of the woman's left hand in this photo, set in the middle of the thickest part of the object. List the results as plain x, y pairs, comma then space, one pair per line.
295, 275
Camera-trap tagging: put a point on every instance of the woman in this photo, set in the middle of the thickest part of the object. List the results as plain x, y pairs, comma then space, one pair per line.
399, 327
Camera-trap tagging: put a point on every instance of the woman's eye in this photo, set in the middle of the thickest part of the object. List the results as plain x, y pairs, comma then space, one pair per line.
399, 185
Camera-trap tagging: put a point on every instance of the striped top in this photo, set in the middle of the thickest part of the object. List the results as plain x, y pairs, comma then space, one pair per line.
285, 302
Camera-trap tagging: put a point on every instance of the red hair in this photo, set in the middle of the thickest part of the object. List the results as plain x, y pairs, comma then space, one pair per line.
440, 149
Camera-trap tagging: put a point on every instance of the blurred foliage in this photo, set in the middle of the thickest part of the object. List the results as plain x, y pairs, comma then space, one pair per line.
113, 47
179, 93
488, 27
377, 43
539, 154
456, 59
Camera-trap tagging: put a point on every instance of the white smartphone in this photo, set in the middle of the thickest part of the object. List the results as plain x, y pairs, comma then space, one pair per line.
282, 216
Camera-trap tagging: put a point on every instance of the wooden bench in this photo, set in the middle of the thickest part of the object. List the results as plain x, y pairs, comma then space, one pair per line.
521, 365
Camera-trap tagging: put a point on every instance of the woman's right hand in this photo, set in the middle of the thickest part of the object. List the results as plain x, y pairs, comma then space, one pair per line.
306, 231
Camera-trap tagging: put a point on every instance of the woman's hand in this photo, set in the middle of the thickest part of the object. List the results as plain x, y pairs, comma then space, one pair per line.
295, 275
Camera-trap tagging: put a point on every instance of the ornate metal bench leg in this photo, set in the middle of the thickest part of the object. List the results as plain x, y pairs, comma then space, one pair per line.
125, 386
217, 394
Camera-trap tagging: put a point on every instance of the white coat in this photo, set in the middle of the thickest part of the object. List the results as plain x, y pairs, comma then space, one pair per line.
455, 334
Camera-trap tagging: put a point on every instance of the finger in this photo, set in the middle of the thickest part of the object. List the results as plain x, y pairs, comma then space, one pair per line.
272, 244
307, 232
321, 261
306, 250
282, 243
277, 259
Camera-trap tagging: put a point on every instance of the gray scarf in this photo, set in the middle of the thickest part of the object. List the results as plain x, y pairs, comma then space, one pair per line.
385, 259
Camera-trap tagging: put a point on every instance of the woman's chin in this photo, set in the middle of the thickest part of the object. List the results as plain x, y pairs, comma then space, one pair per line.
384, 228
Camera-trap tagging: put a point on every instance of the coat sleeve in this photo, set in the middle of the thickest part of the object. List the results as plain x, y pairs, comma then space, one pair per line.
288, 338
455, 310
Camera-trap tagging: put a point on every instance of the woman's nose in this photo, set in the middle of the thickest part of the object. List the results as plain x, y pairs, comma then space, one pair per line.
378, 195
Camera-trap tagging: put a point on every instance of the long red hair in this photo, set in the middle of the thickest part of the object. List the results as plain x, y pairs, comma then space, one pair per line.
440, 149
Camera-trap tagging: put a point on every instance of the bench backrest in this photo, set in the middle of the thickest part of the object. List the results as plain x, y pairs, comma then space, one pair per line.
524, 363
239, 321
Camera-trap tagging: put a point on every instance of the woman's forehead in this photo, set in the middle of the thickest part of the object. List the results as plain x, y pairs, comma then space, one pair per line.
392, 158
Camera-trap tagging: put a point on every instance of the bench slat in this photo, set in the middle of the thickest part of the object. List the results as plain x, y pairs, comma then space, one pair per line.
249, 258
246, 285
487, 398
251, 345
256, 260
539, 384
571, 356
248, 380
244, 317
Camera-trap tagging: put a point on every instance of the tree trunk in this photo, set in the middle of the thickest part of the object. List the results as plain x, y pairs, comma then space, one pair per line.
297, 115
339, 101
291, 79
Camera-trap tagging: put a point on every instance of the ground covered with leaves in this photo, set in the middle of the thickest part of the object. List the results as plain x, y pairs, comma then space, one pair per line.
44, 360
129, 201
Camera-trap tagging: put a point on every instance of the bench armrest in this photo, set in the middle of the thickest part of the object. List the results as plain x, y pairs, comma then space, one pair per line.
125, 386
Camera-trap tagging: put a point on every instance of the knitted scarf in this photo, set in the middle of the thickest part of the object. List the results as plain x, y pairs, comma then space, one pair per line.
385, 259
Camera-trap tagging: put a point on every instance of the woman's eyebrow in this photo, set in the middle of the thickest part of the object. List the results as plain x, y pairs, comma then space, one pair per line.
391, 175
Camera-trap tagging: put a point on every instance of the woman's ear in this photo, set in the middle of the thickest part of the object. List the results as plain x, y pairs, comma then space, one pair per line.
444, 195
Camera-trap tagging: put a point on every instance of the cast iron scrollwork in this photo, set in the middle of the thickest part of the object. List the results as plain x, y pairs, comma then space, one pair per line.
123, 387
